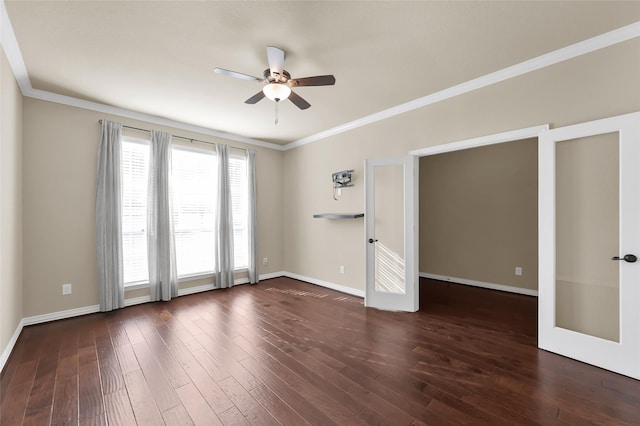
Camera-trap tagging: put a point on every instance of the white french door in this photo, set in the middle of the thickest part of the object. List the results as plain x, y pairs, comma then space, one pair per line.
589, 241
391, 187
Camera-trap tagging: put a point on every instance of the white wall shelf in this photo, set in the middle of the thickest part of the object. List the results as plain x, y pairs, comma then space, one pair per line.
338, 215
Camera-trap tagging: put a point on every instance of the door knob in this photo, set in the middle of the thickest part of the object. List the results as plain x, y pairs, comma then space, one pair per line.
371, 241
627, 258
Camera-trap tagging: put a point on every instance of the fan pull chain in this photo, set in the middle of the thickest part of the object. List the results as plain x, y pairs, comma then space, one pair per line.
276, 123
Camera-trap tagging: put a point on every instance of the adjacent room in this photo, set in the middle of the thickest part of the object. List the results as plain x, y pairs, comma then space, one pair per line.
347, 212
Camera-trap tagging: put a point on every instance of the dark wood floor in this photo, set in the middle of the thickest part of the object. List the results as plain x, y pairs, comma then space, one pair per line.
287, 352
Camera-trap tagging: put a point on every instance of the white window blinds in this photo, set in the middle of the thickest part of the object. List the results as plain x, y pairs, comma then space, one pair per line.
194, 176
240, 209
135, 170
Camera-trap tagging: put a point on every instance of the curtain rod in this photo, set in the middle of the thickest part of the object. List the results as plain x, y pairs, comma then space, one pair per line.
179, 137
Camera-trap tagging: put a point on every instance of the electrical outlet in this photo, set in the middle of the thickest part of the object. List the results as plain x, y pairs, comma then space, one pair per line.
518, 270
66, 289
265, 260
342, 269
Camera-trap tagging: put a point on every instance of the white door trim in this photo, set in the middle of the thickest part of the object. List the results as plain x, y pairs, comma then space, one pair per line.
510, 136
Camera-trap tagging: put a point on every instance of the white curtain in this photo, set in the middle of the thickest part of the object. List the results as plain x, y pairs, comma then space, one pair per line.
224, 222
163, 280
253, 225
109, 218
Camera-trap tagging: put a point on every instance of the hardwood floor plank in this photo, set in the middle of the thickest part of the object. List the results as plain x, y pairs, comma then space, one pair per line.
91, 403
244, 402
372, 418
197, 407
342, 397
233, 417
207, 387
172, 370
284, 414
213, 368
144, 407
66, 394
118, 408
177, 416
133, 333
328, 369
317, 397
98, 420
16, 397
110, 371
126, 358
117, 333
163, 393
221, 360
38, 410
289, 394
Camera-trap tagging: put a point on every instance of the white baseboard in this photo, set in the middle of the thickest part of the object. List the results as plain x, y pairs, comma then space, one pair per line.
332, 286
12, 342
196, 289
132, 301
272, 275
53, 316
474, 283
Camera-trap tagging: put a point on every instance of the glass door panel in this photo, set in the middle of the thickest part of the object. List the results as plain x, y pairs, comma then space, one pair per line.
389, 229
587, 235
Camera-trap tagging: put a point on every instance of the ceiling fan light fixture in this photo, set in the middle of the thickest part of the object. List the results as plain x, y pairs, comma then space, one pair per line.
276, 91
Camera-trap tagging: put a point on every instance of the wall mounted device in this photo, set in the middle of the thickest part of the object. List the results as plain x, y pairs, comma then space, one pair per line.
341, 180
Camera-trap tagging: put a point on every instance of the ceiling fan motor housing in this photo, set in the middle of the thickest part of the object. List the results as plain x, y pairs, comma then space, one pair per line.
279, 78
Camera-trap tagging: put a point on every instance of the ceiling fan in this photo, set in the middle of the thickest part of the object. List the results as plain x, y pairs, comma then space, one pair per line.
278, 81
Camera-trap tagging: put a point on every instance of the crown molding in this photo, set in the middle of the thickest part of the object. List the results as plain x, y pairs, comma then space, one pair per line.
578, 49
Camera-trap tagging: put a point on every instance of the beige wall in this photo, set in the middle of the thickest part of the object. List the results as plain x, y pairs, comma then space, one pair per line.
10, 204
60, 154
601, 84
479, 214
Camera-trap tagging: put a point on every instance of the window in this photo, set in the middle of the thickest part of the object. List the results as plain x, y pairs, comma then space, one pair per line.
194, 199
194, 193
240, 208
135, 170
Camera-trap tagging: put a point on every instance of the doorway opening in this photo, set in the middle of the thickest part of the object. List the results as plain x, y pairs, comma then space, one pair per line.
478, 221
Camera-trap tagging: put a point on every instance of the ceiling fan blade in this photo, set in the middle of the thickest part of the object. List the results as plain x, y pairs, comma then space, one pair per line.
236, 74
275, 56
255, 98
298, 101
319, 80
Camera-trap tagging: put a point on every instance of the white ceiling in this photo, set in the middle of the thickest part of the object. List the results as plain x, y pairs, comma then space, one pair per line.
157, 57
